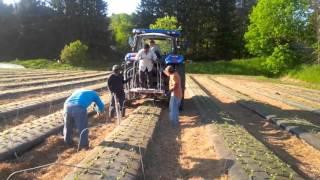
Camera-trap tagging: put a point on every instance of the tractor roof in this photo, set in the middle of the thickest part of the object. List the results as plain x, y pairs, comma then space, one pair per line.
160, 31
155, 35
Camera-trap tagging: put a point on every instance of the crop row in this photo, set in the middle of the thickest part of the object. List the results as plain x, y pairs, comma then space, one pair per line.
16, 109
6, 94
45, 81
293, 92
276, 88
298, 89
120, 155
43, 76
33, 71
251, 158
19, 139
263, 92
22, 74
289, 121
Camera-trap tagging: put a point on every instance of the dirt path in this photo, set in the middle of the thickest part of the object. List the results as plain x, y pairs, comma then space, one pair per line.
292, 150
185, 152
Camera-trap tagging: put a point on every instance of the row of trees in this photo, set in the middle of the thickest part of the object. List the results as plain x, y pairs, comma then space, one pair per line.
284, 31
34, 28
213, 28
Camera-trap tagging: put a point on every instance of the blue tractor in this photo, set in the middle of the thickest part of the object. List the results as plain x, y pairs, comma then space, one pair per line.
168, 44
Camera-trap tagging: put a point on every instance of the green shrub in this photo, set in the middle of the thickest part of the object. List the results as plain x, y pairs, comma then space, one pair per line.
75, 53
281, 60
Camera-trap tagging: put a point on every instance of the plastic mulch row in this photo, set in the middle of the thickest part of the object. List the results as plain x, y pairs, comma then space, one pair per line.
21, 138
246, 157
120, 155
13, 110
299, 126
51, 87
45, 81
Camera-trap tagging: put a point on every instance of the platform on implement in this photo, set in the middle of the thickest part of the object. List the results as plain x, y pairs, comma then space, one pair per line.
146, 91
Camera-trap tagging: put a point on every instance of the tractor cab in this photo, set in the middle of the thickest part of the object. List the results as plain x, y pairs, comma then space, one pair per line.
166, 43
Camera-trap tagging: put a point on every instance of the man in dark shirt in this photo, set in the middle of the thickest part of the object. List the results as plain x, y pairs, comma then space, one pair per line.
115, 84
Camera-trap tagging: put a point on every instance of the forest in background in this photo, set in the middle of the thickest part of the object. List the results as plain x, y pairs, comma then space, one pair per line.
283, 32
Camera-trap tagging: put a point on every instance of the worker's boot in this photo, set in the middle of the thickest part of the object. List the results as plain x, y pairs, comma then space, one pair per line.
123, 112
111, 114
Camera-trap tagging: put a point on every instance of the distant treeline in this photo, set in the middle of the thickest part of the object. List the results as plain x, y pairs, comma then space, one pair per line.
38, 28
211, 29
34, 28
214, 29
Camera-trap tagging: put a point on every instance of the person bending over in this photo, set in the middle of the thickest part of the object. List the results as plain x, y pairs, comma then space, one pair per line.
75, 114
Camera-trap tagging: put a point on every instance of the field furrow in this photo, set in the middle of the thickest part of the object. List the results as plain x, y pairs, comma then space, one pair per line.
244, 149
13, 111
119, 155
312, 107
34, 80
13, 93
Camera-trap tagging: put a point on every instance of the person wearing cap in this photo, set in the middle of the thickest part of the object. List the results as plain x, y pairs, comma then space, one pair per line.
75, 114
155, 48
146, 59
115, 84
176, 94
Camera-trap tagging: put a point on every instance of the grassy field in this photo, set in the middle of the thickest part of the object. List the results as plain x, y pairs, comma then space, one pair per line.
308, 73
304, 75
44, 64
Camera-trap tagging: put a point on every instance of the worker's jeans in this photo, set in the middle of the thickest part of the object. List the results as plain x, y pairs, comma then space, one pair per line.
174, 110
75, 116
112, 108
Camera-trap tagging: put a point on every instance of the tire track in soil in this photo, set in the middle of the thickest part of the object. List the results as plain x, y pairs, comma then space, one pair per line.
289, 148
184, 152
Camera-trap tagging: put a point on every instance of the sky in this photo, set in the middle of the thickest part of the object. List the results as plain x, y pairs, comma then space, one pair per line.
115, 6
122, 6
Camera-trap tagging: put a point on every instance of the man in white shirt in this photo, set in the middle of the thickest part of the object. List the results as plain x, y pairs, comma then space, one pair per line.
146, 59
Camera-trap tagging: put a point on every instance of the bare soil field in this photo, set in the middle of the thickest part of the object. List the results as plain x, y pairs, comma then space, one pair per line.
291, 149
231, 128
